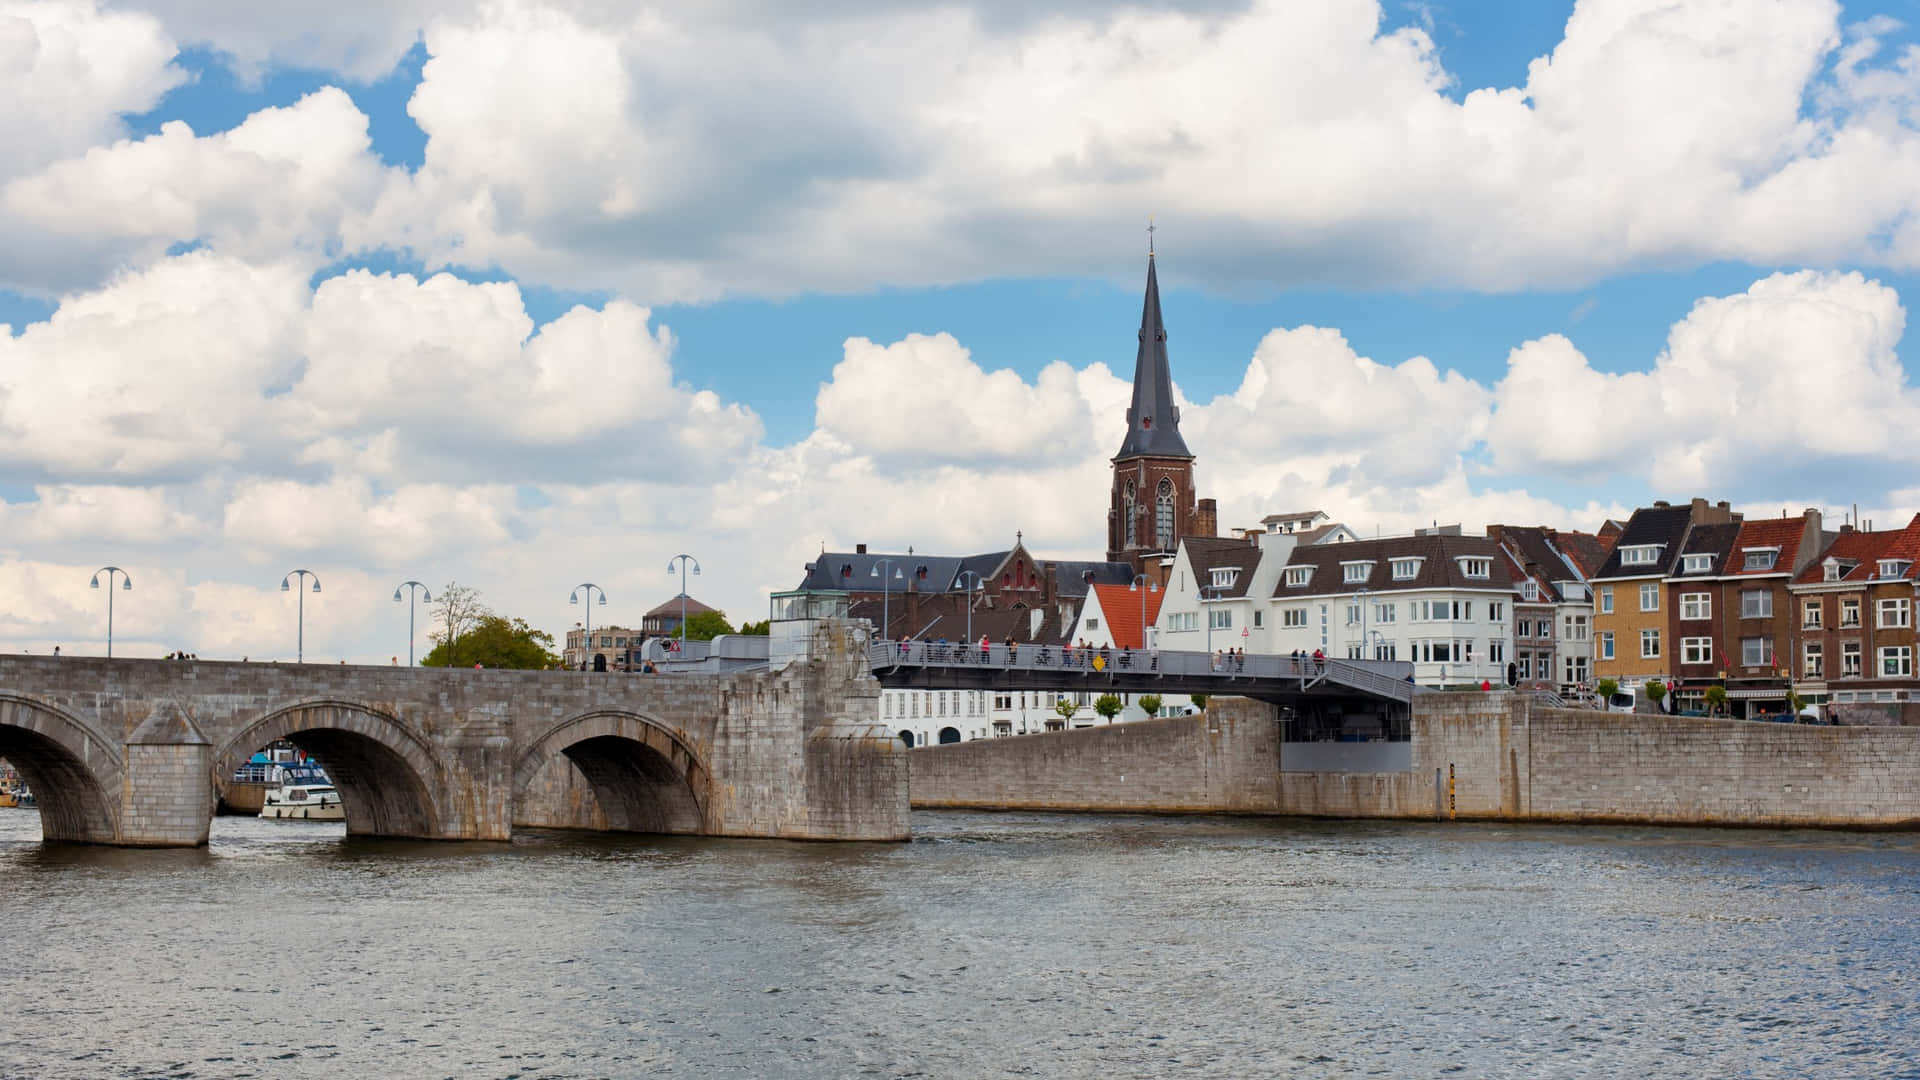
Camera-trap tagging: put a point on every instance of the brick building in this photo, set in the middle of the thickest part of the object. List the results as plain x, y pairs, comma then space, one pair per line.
1854, 619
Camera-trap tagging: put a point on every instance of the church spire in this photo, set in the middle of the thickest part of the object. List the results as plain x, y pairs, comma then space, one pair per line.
1153, 421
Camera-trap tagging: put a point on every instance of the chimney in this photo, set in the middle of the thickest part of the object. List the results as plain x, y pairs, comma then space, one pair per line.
1206, 518
859, 549
1658, 504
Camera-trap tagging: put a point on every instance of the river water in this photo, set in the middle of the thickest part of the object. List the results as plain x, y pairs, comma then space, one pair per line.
994, 945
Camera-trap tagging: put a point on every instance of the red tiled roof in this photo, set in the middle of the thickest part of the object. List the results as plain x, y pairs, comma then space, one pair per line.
1906, 545
1782, 533
1864, 548
1122, 607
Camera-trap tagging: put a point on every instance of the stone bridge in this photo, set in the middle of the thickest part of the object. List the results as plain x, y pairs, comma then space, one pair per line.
132, 752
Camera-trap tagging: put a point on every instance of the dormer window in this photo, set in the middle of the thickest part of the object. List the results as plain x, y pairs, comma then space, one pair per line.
1476, 568
1696, 564
1894, 568
1404, 569
1831, 570
1530, 591
1224, 577
1355, 573
1760, 558
1298, 576
1640, 555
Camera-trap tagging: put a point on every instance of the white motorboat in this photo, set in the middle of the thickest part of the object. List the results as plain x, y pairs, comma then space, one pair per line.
304, 794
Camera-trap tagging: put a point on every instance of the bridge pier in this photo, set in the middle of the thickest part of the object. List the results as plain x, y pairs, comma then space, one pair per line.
163, 801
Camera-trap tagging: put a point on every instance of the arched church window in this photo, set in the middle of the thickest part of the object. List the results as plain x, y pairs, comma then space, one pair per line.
1127, 511
1163, 516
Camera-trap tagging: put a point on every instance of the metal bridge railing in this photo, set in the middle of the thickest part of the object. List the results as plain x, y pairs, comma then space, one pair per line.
1382, 678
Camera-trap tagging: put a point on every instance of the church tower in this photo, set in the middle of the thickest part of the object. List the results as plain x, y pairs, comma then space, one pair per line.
1153, 503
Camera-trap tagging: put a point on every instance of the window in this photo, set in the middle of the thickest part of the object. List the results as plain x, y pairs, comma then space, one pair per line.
1220, 619
1523, 628
1256, 618
1606, 599
1696, 605
1404, 569
1896, 661
1642, 555
1696, 650
1523, 666
606, 642
1384, 613
1576, 628
1849, 659
1496, 651
1298, 576
1896, 611
1353, 614
1182, 620
1355, 572
1163, 516
1756, 603
1576, 669
1756, 652
1649, 597
1649, 644
1759, 558
1496, 612
1530, 591
1128, 512
1544, 628
1850, 611
1093, 624
1894, 568
1811, 660
1386, 650
1831, 570
1224, 577
1355, 650
1810, 615
1606, 645
1477, 568
1696, 564
1294, 616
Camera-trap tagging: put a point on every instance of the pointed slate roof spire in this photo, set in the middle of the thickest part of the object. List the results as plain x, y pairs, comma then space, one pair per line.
1153, 421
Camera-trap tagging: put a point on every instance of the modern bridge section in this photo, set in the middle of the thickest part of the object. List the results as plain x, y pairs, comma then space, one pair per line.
938, 666
131, 751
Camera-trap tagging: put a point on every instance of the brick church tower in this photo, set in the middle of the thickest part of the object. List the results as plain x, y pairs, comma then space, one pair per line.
1154, 505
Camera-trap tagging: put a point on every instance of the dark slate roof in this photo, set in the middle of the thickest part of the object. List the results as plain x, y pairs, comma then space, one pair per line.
1587, 551
1663, 525
1153, 420
953, 626
1208, 554
854, 572
1070, 578
1438, 569
1714, 540
1533, 544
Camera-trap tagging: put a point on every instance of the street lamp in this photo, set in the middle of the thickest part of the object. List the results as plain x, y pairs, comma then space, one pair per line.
1363, 595
414, 591
974, 585
300, 648
126, 582
888, 576
1139, 580
684, 561
1216, 590
574, 598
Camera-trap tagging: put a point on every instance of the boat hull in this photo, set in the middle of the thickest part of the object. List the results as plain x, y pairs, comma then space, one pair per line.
302, 812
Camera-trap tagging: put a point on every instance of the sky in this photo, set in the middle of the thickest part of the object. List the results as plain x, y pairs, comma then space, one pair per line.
530, 294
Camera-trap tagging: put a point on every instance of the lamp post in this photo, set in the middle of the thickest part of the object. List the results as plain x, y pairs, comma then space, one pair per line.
300, 647
1139, 580
414, 591
685, 561
574, 598
126, 582
885, 570
1363, 595
1204, 590
973, 585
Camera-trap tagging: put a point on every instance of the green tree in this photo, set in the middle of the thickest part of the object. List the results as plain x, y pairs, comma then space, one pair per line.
496, 642
1066, 708
1150, 703
1606, 688
1716, 699
1795, 702
706, 625
1656, 691
756, 629
1108, 706
1199, 701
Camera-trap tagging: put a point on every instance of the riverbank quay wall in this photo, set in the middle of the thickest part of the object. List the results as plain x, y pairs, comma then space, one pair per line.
132, 752
1487, 756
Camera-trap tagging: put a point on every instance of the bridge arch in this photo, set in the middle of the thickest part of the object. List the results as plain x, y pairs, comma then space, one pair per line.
74, 771
388, 775
646, 775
